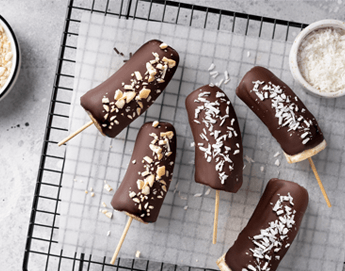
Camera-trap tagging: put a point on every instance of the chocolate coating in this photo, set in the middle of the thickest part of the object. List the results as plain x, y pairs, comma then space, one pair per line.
241, 255
129, 197
100, 102
293, 140
218, 152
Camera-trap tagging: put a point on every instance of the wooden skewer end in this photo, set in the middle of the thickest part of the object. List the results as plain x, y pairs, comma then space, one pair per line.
312, 165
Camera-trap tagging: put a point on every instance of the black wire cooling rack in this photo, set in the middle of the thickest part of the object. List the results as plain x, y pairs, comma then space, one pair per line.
42, 249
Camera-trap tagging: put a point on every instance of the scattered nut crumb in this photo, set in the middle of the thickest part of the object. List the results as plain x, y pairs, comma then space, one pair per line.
262, 168
137, 254
186, 207
92, 194
197, 195
108, 233
277, 163
108, 187
207, 191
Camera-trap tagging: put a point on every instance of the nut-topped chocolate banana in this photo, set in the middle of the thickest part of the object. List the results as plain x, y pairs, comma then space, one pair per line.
284, 114
129, 92
217, 139
149, 173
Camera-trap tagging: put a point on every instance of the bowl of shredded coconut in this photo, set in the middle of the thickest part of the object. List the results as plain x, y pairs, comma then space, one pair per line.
9, 58
317, 58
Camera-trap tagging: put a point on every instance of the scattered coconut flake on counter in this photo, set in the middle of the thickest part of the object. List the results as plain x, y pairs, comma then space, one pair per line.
249, 159
277, 163
321, 59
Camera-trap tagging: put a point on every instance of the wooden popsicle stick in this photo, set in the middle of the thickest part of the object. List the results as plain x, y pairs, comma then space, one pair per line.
215, 222
75, 133
311, 162
113, 259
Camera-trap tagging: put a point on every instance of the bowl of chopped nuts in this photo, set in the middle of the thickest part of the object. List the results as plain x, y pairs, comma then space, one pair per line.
9, 58
317, 59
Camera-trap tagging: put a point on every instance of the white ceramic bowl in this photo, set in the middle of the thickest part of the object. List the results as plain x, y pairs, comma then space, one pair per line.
294, 51
16, 59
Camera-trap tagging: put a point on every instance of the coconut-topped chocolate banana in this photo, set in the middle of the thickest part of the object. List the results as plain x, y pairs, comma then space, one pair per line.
283, 112
217, 139
262, 244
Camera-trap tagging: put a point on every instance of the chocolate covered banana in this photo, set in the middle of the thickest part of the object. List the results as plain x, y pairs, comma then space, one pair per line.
217, 139
262, 244
284, 114
149, 173
128, 93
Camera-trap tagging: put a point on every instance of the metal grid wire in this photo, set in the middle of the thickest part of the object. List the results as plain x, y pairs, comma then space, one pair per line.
42, 248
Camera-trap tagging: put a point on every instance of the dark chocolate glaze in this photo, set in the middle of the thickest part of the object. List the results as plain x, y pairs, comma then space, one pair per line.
92, 100
121, 200
239, 255
291, 142
205, 172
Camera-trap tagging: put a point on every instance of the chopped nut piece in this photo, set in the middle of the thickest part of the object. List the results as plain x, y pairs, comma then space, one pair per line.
171, 62
105, 100
146, 190
106, 107
104, 205
92, 194
108, 187
140, 184
143, 94
141, 105
138, 111
138, 75
160, 172
129, 87
86, 191
109, 214
120, 104
137, 254
134, 161
136, 200
169, 134
155, 123
132, 194
150, 180
164, 188
118, 94
163, 45
148, 159
130, 96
